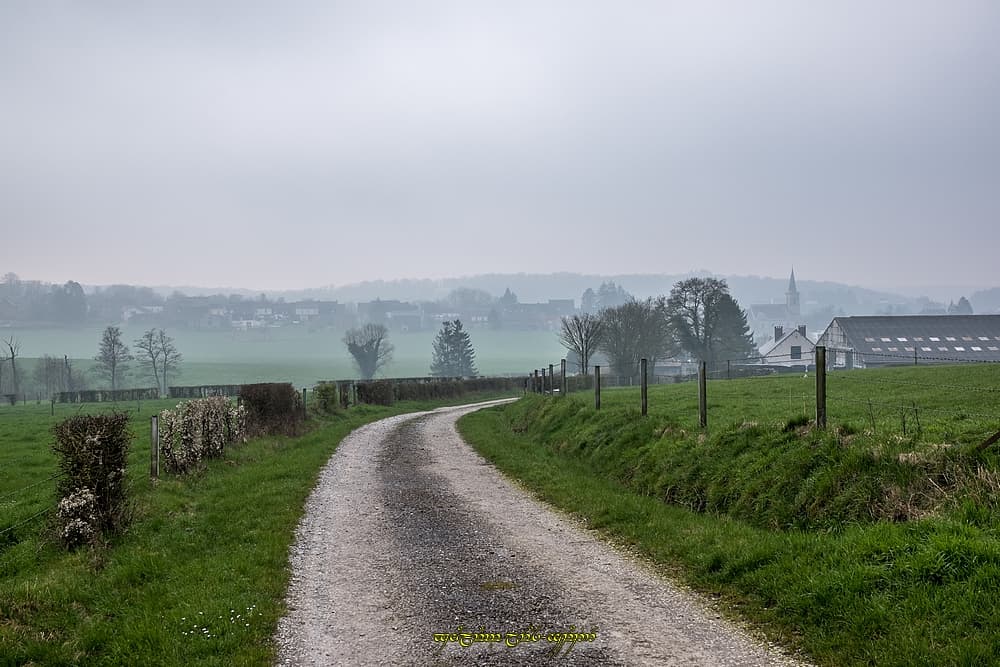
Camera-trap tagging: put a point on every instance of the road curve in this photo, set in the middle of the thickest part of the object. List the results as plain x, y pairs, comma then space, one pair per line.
411, 534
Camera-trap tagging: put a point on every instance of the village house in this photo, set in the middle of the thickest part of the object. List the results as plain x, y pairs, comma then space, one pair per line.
788, 349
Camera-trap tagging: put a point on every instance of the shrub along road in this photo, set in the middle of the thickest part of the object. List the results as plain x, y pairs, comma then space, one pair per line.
414, 550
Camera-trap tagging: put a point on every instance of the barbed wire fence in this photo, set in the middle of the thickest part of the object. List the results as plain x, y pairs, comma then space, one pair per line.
858, 401
21, 509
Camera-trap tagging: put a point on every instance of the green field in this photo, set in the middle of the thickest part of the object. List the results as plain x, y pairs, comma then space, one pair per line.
292, 353
198, 577
875, 541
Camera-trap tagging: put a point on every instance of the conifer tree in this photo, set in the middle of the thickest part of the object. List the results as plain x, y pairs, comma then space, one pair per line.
453, 354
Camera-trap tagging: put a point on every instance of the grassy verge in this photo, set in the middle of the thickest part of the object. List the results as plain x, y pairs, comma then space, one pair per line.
845, 587
200, 575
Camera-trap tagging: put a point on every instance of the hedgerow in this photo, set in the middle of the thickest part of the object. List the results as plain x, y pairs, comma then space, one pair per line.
93, 453
199, 429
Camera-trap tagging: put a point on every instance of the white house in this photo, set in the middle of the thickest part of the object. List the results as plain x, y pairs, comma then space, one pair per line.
788, 349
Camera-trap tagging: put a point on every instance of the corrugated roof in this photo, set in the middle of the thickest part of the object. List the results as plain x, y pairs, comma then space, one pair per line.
944, 337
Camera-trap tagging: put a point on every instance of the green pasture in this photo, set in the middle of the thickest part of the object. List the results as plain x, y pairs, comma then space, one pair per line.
197, 578
294, 353
873, 542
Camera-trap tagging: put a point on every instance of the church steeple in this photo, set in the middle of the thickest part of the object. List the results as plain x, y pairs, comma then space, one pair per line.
792, 296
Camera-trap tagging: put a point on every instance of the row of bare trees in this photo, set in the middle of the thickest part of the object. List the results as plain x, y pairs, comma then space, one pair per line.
699, 319
156, 352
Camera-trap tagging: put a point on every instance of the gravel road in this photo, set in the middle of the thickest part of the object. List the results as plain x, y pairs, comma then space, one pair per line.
415, 551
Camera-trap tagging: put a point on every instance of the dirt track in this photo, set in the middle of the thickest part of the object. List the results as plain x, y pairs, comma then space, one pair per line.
410, 534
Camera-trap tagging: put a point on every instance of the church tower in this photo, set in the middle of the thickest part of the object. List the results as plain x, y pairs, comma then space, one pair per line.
792, 297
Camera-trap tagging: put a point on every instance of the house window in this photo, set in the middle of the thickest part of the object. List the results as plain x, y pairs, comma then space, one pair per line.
796, 351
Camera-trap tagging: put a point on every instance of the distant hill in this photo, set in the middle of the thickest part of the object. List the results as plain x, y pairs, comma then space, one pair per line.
535, 287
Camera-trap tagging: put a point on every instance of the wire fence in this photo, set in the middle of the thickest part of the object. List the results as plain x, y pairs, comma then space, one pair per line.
957, 402
24, 506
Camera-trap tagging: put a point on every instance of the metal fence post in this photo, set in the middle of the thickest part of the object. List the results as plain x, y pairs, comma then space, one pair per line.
702, 394
821, 386
597, 387
644, 390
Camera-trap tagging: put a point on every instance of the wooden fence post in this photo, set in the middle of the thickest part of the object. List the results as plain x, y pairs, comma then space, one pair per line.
562, 382
304, 414
821, 386
597, 387
702, 394
154, 447
552, 380
644, 390
537, 386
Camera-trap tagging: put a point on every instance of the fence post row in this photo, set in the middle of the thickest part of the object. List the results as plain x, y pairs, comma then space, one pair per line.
702, 395
597, 387
643, 391
821, 386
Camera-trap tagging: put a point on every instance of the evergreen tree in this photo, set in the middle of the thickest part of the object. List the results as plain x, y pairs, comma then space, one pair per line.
733, 338
708, 322
453, 354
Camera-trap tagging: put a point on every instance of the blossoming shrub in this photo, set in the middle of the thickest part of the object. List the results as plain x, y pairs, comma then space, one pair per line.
272, 408
93, 453
77, 514
199, 429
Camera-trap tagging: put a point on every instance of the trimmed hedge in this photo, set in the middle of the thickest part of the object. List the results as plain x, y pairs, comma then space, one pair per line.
93, 453
199, 429
386, 392
105, 395
204, 391
272, 408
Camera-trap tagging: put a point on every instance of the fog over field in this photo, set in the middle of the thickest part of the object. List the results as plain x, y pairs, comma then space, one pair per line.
315, 143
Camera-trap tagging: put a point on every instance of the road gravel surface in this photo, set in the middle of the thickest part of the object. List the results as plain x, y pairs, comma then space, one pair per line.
415, 551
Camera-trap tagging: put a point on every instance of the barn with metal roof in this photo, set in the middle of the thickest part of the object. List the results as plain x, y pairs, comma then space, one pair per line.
888, 340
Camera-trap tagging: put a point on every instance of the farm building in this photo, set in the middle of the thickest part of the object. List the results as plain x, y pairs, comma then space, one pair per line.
788, 349
887, 340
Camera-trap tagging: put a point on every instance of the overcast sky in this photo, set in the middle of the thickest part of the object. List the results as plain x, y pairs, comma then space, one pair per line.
294, 144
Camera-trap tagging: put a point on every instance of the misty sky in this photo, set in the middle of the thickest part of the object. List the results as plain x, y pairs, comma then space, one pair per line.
294, 144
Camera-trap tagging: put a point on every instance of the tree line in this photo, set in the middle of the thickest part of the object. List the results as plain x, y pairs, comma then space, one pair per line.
158, 357
699, 319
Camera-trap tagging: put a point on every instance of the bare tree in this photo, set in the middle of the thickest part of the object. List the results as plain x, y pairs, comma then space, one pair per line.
170, 358
14, 346
370, 347
149, 355
112, 356
633, 331
694, 309
48, 374
159, 357
581, 334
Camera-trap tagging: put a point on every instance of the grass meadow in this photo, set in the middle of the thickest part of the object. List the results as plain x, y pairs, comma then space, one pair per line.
197, 578
293, 353
875, 541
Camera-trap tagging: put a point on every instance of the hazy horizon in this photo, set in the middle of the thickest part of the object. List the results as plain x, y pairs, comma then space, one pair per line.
315, 144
